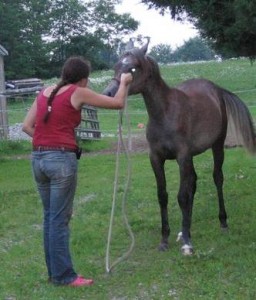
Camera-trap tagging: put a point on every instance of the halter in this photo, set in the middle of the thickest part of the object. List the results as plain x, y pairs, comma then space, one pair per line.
132, 71
116, 79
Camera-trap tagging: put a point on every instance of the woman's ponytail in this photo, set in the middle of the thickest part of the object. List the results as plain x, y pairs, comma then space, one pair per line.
51, 98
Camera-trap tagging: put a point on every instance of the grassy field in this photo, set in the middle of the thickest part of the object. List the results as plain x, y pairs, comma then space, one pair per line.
223, 265
235, 75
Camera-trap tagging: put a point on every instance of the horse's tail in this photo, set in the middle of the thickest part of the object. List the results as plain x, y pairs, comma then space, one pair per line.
240, 123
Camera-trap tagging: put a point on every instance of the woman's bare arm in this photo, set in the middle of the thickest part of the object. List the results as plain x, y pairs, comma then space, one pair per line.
29, 121
87, 96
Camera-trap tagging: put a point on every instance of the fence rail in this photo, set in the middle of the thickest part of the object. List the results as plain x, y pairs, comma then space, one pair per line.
90, 127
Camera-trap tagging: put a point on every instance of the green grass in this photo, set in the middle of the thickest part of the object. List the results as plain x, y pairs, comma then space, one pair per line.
14, 148
235, 75
221, 268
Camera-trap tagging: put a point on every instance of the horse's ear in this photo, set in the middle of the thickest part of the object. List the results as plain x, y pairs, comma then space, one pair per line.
129, 45
144, 48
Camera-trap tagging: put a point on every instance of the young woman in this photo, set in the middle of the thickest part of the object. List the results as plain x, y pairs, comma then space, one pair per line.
51, 122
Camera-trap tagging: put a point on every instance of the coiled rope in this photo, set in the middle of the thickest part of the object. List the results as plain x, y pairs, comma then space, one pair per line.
120, 144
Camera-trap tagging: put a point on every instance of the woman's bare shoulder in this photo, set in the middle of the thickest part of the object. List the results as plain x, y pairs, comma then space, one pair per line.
48, 90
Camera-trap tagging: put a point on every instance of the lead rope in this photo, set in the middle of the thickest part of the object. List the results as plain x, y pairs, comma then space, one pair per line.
124, 198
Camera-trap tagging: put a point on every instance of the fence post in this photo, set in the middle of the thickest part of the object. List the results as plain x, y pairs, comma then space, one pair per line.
3, 106
3, 118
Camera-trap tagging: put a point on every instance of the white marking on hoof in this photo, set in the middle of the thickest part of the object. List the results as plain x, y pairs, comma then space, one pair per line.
187, 250
179, 237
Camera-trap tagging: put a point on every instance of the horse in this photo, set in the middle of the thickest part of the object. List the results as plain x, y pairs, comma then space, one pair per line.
183, 122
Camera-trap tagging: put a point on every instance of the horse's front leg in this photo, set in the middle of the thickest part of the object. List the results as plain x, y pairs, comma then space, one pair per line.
186, 193
158, 168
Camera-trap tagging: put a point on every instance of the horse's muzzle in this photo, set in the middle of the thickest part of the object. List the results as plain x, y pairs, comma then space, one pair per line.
111, 89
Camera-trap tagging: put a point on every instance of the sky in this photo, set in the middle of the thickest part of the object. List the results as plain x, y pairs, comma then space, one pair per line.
161, 29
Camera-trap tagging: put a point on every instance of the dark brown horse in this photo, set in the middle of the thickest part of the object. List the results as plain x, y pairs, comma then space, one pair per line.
183, 122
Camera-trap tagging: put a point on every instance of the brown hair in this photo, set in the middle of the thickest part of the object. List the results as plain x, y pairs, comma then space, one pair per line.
74, 69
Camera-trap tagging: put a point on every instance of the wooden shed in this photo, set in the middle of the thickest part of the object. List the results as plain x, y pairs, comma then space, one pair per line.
3, 106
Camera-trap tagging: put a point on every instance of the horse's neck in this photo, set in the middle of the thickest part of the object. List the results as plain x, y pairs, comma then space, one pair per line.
155, 96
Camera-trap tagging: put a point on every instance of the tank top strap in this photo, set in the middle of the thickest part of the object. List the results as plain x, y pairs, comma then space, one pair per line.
40, 92
68, 92
71, 89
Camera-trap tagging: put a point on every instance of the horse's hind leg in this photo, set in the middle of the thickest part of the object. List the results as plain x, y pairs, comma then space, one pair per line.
186, 193
218, 156
158, 168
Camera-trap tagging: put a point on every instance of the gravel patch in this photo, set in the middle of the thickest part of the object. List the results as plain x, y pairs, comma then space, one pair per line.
16, 133
138, 142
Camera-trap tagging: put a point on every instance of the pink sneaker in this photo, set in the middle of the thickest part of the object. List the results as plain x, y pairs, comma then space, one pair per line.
81, 281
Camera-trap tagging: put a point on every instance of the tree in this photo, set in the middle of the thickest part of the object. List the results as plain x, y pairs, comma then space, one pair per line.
21, 35
40, 35
90, 47
162, 53
67, 19
194, 49
110, 27
229, 24
96, 27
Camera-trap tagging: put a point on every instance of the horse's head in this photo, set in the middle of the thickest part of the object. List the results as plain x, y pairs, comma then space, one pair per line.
136, 62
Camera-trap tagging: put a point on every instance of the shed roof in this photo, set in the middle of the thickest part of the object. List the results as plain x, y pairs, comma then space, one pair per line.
3, 51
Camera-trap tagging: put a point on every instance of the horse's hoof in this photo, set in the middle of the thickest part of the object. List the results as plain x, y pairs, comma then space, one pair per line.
187, 250
224, 229
163, 247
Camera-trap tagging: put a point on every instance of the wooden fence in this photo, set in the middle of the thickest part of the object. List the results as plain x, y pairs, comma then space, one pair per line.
89, 128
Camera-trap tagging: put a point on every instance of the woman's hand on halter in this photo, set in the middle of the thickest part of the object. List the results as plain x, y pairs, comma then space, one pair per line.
126, 78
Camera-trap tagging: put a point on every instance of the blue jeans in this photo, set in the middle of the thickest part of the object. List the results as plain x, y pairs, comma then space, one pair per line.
55, 173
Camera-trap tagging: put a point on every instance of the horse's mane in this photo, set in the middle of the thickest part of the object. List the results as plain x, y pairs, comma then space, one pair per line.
153, 66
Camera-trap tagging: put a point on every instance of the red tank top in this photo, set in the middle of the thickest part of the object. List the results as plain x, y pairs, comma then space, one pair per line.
59, 130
